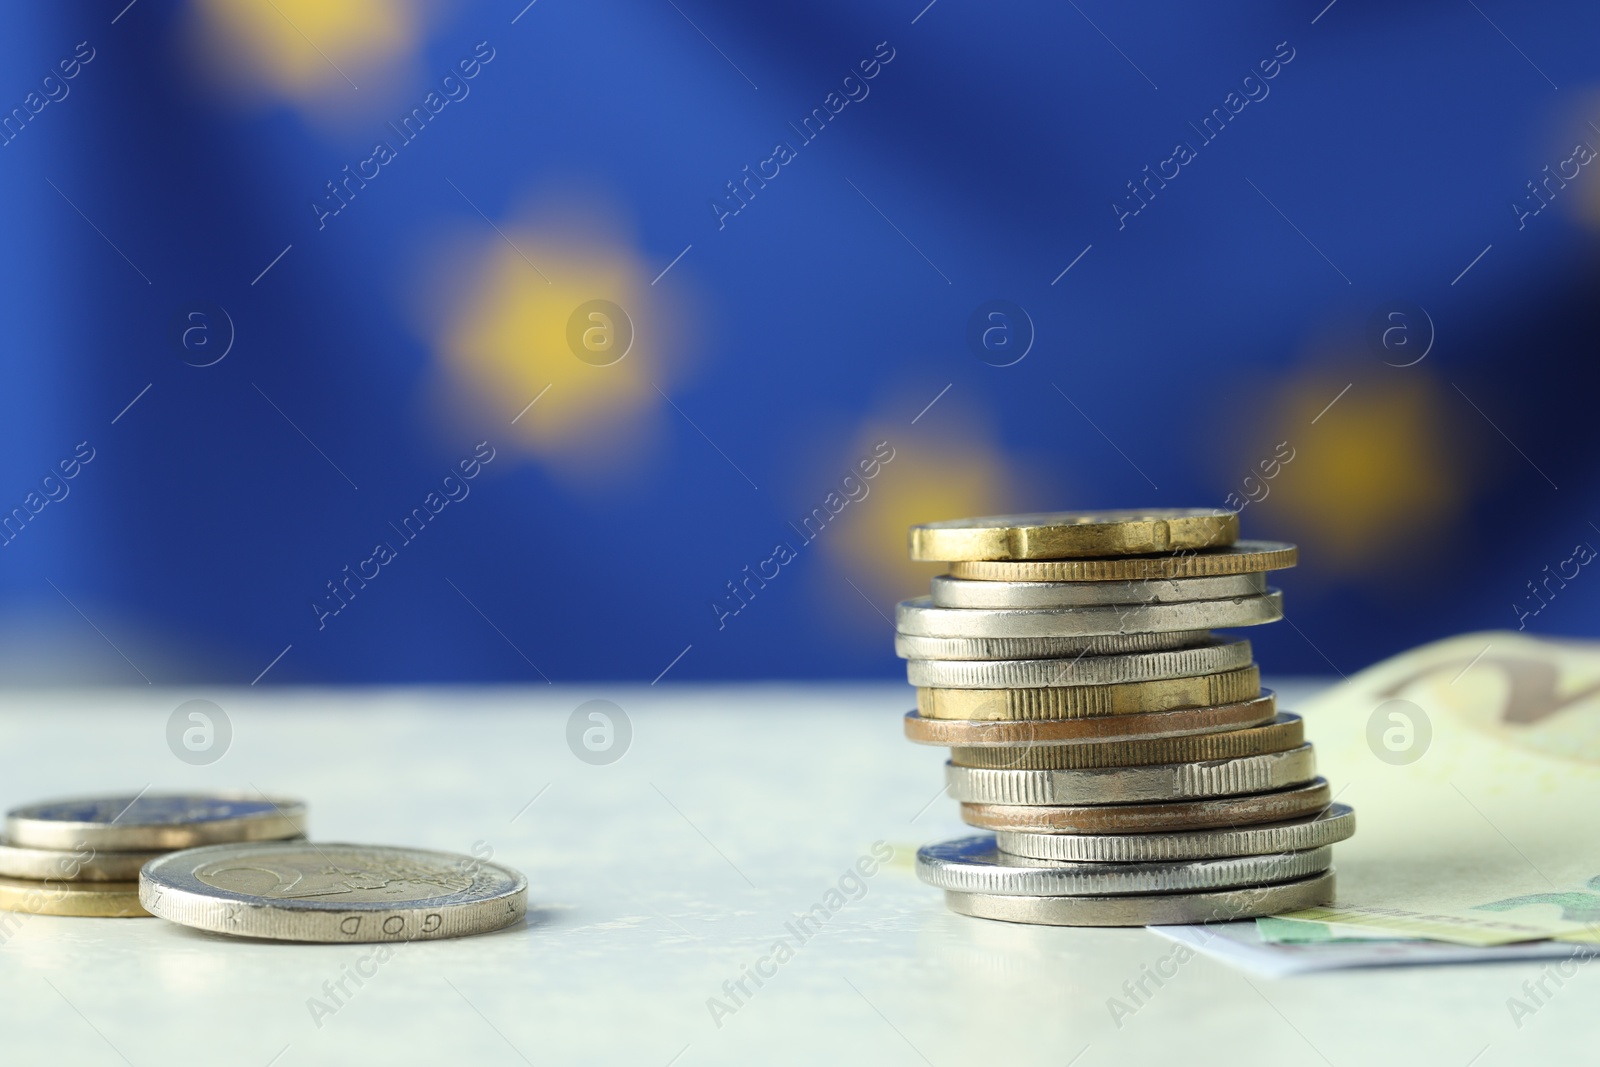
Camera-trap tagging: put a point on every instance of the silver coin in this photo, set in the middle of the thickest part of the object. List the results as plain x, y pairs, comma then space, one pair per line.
1120, 785
1218, 655
154, 821
910, 646
1332, 826
74, 865
951, 592
1153, 909
332, 892
975, 865
920, 618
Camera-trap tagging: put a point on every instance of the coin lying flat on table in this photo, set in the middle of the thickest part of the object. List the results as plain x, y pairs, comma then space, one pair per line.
911, 646
1153, 909
1082, 701
1335, 824
75, 865
920, 618
1075, 534
154, 821
950, 592
1277, 806
1182, 722
104, 900
1285, 732
1210, 658
1126, 785
1242, 557
309, 891
974, 865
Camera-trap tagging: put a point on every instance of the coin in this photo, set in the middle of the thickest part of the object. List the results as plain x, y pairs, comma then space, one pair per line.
974, 865
75, 865
1081, 701
1074, 534
920, 618
1335, 824
332, 892
1285, 732
1217, 655
969, 593
1154, 909
154, 821
908, 646
1124, 785
1276, 806
105, 900
1181, 722
1243, 557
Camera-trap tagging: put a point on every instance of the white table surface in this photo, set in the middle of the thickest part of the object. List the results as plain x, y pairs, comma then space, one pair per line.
654, 880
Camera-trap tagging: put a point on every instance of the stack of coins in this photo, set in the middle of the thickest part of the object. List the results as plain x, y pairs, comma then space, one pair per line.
83, 856
1132, 769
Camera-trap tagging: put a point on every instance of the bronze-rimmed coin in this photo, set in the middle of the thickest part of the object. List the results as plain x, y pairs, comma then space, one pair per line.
1151, 909
1129, 785
1283, 733
1082, 701
1008, 733
1215, 655
919, 617
1242, 557
948, 592
1329, 827
103, 900
1278, 806
1075, 534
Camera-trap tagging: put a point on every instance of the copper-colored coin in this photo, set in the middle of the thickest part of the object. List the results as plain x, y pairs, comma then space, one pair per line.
1285, 732
1075, 534
1182, 722
1277, 806
1081, 701
1243, 557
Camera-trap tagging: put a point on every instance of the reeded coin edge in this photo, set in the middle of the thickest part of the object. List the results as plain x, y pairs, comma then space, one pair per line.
1215, 657
918, 617
1225, 872
1176, 816
1154, 909
1097, 729
1285, 732
1242, 557
1336, 824
917, 646
1125, 785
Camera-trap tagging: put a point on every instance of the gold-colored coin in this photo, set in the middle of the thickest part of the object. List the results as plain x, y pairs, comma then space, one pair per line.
1013, 733
1082, 701
1243, 557
1075, 534
1278, 806
1286, 732
105, 900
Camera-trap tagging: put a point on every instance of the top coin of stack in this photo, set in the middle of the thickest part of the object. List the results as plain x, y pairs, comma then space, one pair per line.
83, 856
1132, 766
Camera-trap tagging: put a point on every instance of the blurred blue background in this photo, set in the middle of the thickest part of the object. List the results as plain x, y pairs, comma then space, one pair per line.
274, 271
